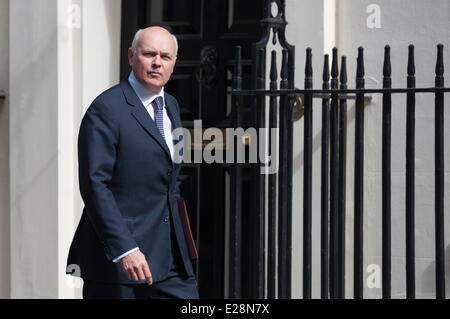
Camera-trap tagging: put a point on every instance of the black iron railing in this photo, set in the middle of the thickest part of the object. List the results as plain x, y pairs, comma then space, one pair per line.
334, 97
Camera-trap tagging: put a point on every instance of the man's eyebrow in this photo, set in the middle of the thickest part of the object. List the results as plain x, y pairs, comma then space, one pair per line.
147, 50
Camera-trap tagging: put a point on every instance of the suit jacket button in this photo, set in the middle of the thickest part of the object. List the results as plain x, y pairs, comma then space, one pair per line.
166, 219
169, 173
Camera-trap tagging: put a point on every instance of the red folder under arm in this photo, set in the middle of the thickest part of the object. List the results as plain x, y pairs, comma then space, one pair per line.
187, 229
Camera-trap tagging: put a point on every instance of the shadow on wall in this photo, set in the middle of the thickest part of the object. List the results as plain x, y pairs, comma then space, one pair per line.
447, 270
4, 200
427, 288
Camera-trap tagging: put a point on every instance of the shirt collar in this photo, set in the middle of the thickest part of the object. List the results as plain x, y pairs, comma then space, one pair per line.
142, 92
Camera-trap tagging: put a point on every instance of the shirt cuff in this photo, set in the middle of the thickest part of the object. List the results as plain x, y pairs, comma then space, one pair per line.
116, 260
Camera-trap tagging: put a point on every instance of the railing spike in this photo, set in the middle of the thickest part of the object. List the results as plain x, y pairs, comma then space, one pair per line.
360, 69
308, 69
326, 69
411, 79
334, 64
343, 77
440, 66
411, 64
387, 61
387, 82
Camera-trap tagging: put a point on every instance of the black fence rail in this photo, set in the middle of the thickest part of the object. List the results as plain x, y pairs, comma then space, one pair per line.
275, 280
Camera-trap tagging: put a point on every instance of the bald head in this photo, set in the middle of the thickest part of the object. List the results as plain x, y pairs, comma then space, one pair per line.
154, 29
152, 57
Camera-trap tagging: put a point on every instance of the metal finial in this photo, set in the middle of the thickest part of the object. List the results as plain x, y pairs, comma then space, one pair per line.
411, 64
326, 69
360, 69
343, 77
334, 64
308, 69
387, 61
387, 82
360, 61
440, 66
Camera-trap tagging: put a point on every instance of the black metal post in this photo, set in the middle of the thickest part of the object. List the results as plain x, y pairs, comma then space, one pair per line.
410, 142
386, 177
359, 180
334, 178
342, 180
273, 118
439, 172
259, 236
283, 290
307, 178
235, 251
324, 282
290, 154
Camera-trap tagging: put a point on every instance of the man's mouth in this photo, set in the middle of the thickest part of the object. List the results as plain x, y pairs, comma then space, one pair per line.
155, 74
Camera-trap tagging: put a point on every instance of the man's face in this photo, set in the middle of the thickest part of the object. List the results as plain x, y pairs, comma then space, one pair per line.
154, 59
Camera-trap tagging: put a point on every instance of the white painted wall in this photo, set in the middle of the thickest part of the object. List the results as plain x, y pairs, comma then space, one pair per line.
4, 151
64, 53
424, 23
33, 145
89, 63
307, 28
101, 47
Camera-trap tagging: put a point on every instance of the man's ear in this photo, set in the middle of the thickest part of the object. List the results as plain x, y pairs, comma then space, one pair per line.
130, 56
174, 63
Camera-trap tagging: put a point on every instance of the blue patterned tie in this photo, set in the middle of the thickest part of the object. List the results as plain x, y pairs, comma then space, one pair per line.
158, 106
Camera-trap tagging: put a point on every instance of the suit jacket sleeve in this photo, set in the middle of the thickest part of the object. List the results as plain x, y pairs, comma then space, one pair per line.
97, 149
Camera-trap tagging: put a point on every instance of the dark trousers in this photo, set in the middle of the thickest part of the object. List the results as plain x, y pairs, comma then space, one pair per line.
177, 285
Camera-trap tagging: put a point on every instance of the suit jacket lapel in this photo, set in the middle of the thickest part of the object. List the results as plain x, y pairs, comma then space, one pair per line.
142, 116
171, 111
176, 123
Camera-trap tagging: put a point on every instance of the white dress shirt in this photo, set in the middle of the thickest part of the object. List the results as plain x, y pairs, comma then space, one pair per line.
147, 98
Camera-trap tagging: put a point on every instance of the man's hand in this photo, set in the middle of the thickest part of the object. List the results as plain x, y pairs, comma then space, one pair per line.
136, 267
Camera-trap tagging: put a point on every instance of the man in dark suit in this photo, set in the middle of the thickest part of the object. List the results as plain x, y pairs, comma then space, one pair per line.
130, 242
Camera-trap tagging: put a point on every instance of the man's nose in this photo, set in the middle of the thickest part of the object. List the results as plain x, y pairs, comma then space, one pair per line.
156, 60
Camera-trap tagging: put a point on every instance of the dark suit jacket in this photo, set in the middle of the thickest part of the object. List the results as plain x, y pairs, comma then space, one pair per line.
128, 183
